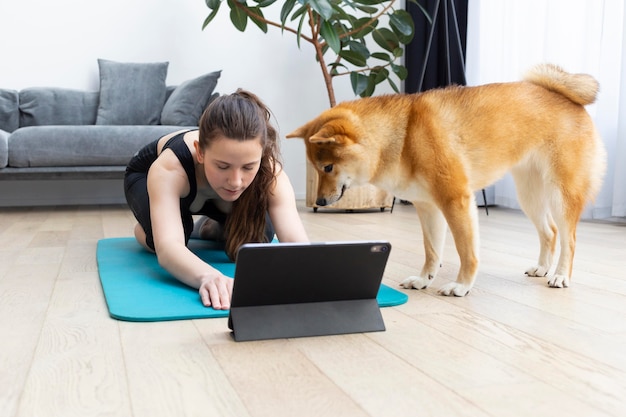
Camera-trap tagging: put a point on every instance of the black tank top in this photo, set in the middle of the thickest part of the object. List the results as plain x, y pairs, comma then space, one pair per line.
145, 157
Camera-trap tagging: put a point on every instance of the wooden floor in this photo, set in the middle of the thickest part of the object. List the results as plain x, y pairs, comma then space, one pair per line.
513, 347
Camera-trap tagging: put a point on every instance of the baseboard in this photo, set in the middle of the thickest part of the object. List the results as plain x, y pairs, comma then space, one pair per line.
28, 193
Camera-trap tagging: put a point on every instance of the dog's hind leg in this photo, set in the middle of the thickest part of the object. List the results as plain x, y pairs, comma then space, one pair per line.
434, 231
566, 215
576, 180
535, 201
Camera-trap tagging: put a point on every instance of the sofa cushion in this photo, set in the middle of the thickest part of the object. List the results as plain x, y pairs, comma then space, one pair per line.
187, 102
63, 146
41, 106
9, 110
168, 91
131, 93
4, 148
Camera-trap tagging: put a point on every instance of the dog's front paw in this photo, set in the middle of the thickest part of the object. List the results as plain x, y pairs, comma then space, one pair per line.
537, 271
456, 289
418, 283
559, 281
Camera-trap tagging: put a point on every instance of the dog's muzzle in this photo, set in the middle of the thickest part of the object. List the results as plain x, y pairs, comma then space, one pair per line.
322, 201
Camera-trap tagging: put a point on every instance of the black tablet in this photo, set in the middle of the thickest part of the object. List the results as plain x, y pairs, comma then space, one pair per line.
307, 289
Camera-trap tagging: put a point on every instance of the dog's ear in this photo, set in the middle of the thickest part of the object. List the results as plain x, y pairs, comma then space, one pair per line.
322, 139
305, 133
328, 128
301, 132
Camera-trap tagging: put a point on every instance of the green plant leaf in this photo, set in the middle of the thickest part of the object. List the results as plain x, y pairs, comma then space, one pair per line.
334, 68
369, 7
402, 24
370, 2
341, 29
301, 11
382, 56
213, 4
210, 17
400, 71
285, 10
322, 7
360, 48
424, 11
331, 36
364, 27
371, 86
393, 85
359, 83
259, 22
354, 58
300, 24
380, 75
265, 3
386, 39
324, 49
237, 16
339, 13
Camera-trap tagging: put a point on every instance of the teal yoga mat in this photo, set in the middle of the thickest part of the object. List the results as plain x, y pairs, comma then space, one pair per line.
136, 288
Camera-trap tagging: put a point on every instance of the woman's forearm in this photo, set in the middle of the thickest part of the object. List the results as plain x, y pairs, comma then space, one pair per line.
184, 265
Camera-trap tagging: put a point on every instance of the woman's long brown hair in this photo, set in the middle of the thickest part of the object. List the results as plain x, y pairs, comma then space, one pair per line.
243, 116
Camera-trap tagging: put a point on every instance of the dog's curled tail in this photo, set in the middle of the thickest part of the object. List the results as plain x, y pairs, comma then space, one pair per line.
580, 88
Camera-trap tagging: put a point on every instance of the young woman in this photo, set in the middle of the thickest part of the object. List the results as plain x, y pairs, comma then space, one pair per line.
229, 171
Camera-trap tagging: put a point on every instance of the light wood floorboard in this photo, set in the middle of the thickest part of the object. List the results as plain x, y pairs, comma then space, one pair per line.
513, 347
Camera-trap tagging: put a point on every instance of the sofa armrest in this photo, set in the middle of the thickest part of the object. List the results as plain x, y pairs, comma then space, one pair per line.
4, 148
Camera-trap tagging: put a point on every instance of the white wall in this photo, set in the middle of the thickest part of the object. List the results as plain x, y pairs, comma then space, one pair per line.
57, 43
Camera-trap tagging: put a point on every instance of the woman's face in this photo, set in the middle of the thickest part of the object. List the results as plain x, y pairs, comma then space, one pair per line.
230, 165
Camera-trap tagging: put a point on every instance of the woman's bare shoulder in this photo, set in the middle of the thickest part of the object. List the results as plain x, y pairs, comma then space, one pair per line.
167, 176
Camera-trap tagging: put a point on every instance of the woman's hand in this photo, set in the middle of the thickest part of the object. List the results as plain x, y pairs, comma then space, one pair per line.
216, 291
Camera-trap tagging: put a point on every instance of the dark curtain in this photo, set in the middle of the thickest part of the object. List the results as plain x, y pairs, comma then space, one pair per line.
443, 47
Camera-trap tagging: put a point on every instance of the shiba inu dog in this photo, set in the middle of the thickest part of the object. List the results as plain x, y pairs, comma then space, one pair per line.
436, 148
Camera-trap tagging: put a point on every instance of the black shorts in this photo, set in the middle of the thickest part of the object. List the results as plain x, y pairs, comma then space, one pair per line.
136, 191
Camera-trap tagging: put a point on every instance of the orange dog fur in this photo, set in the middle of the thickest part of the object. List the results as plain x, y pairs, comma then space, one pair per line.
436, 148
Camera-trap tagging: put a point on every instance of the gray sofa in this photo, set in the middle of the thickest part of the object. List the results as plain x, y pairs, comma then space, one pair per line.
66, 146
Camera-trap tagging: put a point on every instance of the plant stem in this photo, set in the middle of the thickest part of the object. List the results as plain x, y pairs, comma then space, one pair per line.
328, 80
